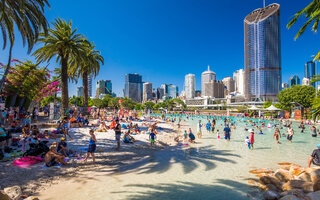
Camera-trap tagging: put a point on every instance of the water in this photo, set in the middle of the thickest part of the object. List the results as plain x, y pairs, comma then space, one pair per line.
210, 169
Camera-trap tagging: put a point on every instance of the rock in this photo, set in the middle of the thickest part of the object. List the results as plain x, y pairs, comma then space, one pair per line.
295, 170
283, 175
298, 184
305, 177
4, 196
271, 187
315, 175
296, 192
13, 192
285, 167
254, 182
314, 195
32, 198
290, 197
316, 186
260, 171
265, 180
271, 195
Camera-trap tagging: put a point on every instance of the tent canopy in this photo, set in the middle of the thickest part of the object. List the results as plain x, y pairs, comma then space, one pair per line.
272, 108
254, 108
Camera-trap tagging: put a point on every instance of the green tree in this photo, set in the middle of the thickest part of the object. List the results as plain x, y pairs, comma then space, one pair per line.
98, 103
267, 104
28, 17
138, 106
149, 104
66, 45
86, 65
128, 103
114, 103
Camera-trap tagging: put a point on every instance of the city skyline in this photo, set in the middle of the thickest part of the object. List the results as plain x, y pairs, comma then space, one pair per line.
191, 47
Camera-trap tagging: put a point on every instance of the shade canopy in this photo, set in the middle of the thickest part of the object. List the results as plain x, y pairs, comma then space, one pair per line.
272, 108
254, 108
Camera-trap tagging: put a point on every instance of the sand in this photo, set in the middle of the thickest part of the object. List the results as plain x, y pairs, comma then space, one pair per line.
37, 181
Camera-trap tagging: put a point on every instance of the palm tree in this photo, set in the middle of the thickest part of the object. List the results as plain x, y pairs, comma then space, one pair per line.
312, 14
66, 45
83, 67
28, 17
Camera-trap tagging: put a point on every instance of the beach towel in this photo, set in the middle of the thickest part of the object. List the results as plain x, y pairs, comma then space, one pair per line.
27, 161
112, 125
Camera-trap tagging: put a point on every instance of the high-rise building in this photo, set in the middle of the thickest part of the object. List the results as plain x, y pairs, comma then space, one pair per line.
160, 92
215, 89
305, 81
284, 86
147, 92
238, 77
79, 91
206, 77
133, 87
262, 53
294, 80
190, 86
310, 71
173, 91
103, 87
229, 83
90, 77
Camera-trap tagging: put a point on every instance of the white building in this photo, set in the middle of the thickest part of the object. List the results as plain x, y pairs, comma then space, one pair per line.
147, 92
305, 81
229, 83
284, 86
206, 77
190, 86
238, 77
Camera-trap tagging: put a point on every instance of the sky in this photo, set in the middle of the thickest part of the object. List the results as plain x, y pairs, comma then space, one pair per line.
163, 40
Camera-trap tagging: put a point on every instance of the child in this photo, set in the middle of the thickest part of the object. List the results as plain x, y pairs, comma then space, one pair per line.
247, 141
92, 146
218, 134
276, 135
251, 138
261, 132
185, 136
152, 137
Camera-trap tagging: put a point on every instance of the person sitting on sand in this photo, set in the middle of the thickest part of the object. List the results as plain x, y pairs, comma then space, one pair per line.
63, 148
103, 127
315, 157
26, 131
52, 157
127, 138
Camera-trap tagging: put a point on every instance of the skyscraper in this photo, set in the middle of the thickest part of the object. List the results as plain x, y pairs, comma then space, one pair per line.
80, 91
160, 92
173, 91
229, 83
310, 71
147, 92
238, 77
90, 77
206, 77
190, 86
133, 87
294, 80
262, 53
215, 89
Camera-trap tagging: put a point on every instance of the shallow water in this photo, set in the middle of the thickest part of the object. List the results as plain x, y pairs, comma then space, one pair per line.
210, 169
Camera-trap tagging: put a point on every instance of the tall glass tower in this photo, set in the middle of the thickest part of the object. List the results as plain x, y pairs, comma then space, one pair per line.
310, 71
262, 53
190, 85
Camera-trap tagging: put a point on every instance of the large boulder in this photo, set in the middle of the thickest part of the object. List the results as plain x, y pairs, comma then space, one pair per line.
315, 175
271, 195
13, 192
4, 196
296, 170
32, 198
296, 192
313, 195
283, 175
305, 177
271, 187
290, 197
298, 184
316, 186
265, 180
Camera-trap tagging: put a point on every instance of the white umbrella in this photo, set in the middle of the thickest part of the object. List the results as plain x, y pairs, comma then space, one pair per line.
254, 108
272, 108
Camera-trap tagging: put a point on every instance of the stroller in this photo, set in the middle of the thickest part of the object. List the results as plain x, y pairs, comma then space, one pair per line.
40, 149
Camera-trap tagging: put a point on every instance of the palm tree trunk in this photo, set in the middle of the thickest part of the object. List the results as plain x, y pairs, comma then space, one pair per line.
85, 92
64, 86
7, 68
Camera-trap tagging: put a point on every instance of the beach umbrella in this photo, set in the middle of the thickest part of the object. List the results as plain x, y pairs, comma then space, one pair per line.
272, 108
254, 108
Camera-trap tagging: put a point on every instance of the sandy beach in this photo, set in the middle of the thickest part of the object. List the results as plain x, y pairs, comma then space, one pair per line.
37, 180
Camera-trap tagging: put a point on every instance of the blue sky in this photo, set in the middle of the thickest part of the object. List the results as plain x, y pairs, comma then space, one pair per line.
163, 40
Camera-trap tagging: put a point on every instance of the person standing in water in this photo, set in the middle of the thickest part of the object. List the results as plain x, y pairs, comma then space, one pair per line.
199, 129
227, 132
290, 134
251, 139
276, 135
314, 131
208, 126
